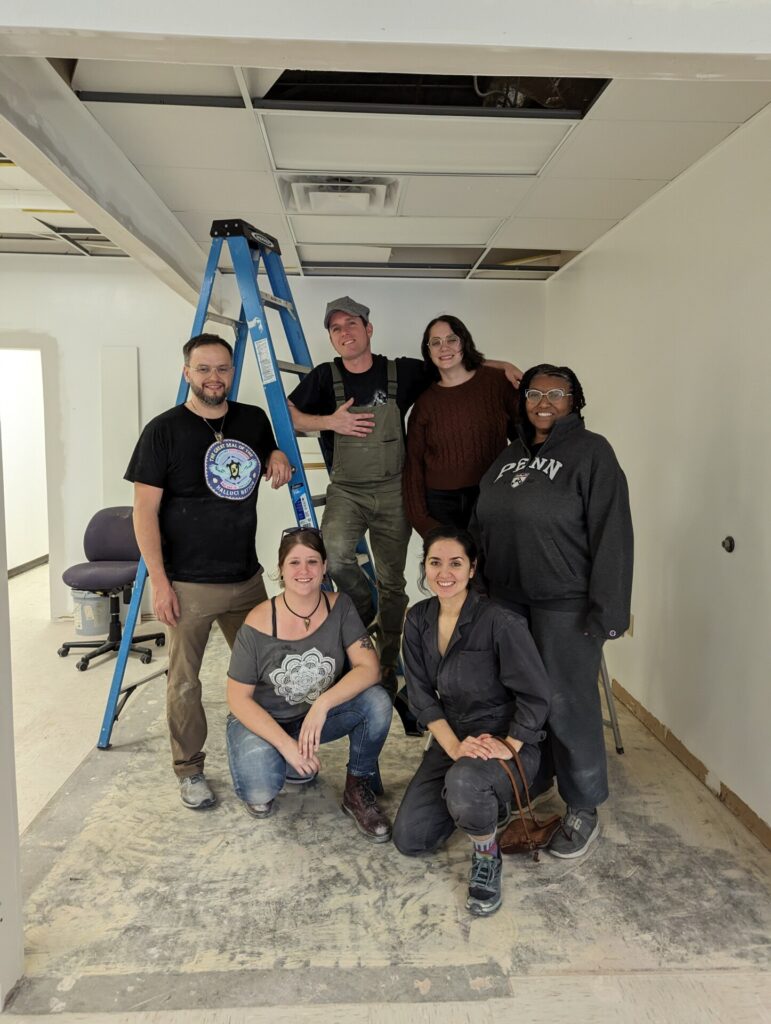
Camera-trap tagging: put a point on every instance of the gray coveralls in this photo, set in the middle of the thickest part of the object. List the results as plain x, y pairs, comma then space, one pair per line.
365, 494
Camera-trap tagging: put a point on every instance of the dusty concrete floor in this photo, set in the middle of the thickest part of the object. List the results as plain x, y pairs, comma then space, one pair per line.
139, 908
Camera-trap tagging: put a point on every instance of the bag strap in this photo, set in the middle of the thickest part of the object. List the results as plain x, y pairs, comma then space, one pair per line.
516, 759
515, 787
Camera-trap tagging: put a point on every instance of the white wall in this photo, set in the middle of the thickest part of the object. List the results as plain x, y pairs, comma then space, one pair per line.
11, 939
666, 321
23, 441
72, 309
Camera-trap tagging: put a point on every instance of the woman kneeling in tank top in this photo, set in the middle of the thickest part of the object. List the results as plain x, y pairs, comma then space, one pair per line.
289, 691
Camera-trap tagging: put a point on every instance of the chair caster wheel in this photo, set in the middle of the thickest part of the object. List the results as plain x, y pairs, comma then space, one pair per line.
161, 641
63, 652
81, 666
146, 658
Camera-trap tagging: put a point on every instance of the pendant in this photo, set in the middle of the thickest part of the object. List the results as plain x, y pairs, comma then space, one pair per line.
219, 436
307, 624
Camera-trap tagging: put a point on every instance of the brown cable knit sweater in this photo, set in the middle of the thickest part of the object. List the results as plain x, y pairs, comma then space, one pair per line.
453, 436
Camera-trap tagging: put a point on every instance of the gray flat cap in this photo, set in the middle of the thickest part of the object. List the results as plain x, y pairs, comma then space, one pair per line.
345, 304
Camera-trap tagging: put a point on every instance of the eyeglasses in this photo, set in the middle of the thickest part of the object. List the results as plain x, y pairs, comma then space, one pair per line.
554, 395
204, 371
300, 529
451, 341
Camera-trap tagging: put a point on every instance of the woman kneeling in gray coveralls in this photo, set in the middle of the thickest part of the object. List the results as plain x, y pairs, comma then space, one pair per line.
473, 674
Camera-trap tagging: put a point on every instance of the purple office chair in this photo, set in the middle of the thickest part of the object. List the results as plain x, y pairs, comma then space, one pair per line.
113, 556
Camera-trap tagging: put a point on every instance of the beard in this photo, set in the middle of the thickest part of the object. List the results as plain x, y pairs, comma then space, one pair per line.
208, 399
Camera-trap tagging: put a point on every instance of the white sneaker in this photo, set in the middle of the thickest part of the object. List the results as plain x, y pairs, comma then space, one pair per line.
195, 792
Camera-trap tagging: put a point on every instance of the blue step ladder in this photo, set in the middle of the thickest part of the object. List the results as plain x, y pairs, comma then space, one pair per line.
249, 249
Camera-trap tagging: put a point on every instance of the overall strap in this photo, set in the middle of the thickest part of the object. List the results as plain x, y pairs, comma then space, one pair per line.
337, 383
274, 631
392, 382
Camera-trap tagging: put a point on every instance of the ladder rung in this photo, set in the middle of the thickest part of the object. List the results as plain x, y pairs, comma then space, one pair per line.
318, 499
274, 302
292, 367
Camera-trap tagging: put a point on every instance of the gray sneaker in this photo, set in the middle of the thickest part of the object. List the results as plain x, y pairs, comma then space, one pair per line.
484, 884
195, 792
578, 831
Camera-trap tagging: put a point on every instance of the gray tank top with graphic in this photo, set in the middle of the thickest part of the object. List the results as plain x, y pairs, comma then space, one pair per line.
288, 675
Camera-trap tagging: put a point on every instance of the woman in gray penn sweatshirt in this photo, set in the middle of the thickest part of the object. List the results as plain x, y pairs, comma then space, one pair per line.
555, 537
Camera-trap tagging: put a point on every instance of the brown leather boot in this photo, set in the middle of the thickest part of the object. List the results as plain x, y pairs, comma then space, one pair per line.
361, 803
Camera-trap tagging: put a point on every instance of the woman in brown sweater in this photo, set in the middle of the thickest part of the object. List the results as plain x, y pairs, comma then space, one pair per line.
456, 429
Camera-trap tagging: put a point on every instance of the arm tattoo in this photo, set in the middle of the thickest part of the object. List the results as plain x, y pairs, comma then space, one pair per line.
366, 643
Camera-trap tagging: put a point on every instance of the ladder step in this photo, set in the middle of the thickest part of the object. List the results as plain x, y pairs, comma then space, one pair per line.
318, 500
274, 302
292, 367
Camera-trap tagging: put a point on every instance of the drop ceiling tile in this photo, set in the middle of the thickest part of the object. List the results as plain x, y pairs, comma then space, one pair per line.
198, 222
16, 221
630, 100
383, 143
196, 188
545, 233
634, 149
44, 246
456, 196
14, 177
171, 136
345, 253
394, 230
153, 77
586, 198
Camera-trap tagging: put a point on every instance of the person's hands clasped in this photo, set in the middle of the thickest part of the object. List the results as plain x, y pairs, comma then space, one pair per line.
278, 470
472, 746
302, 763
309, 739
495, 747
352, 424
165, 603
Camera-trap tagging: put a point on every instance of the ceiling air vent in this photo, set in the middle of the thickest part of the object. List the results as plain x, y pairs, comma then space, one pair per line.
339, 194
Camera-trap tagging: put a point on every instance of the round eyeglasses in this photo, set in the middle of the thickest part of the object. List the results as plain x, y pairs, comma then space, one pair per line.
554, 395
451, 341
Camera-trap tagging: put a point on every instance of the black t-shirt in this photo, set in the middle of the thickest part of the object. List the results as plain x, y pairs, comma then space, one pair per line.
315, 394
208, 513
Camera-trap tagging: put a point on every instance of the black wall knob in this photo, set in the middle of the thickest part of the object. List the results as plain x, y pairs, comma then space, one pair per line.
729, 544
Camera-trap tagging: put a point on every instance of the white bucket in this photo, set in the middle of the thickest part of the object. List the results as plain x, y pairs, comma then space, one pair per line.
91, 613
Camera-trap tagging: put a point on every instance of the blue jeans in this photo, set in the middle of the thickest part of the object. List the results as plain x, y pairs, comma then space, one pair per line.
259, 771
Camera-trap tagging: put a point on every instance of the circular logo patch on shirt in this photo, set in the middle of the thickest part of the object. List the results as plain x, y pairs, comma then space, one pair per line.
303, 677
231, 469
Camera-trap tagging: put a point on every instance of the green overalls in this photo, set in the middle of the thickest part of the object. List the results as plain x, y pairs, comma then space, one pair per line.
365, 494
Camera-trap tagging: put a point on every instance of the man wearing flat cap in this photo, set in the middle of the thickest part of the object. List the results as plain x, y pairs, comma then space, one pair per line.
359, 402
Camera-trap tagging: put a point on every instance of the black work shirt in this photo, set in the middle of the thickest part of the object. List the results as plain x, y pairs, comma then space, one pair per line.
315, 394
208, 512
489, 679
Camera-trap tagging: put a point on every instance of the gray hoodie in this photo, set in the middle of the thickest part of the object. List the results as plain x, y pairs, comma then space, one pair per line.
555, 530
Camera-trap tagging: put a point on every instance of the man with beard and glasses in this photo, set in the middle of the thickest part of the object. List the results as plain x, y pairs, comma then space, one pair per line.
196, 471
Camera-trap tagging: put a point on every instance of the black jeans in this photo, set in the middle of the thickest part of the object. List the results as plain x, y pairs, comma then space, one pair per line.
452, 508
575, 740
445, 794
